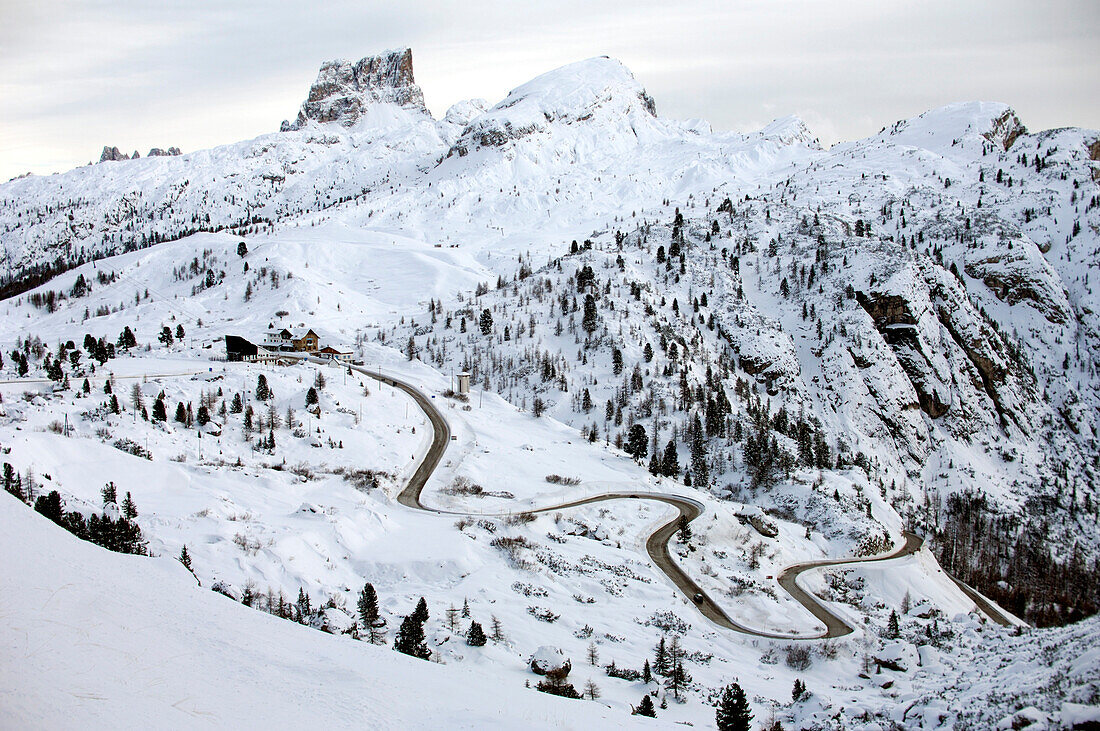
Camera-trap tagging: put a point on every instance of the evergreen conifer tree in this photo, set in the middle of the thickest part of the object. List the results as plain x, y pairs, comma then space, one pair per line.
683, 530
660, 660
732, 711
368, 605
410, 639
892, 628
185, 557
645, 708
475, 637
798, 692
129, 509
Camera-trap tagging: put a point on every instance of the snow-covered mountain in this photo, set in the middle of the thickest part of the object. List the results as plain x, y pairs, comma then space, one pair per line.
898, 331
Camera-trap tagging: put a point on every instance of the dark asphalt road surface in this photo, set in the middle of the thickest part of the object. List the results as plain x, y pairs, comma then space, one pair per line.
657, 545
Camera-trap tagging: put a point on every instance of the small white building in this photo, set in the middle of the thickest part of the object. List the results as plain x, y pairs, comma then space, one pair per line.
337, 356
464, 383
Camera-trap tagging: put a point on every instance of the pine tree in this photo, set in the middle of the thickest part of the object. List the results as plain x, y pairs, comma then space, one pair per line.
185, 557
311, 396
637, 443
732, 711
421, 611
678, 678
109, 493
683, 530
475, 637
486, 322
305, 610
645, 708
465, 609
892, 629
181, 413
496, 629
660, 660
129, 509
799, 690
368, 605
590, 318
50, 505
160, 411
410, 639
263, 392
699, 469
647, 673
670, 465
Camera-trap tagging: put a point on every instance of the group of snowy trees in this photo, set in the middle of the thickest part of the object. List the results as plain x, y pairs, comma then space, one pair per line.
114, 529
1009, 558
679, 386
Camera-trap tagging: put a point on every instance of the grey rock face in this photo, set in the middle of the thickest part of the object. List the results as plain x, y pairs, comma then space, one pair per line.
157, 152
344, 90
112, 153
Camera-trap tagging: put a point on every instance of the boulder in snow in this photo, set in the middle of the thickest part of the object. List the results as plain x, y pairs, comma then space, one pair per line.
549, 659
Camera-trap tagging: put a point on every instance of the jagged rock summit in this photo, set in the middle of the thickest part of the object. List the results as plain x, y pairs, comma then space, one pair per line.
344, 92
112, 153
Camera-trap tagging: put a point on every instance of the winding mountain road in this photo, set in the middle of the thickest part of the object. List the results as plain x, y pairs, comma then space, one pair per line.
658, 542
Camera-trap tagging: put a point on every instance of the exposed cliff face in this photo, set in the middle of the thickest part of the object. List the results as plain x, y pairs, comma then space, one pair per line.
1006, 129
344, 91
112, 153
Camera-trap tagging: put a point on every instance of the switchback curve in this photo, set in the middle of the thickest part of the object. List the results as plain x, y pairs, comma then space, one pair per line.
657, 543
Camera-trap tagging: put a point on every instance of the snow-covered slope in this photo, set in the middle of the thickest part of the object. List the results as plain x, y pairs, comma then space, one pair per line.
105, 640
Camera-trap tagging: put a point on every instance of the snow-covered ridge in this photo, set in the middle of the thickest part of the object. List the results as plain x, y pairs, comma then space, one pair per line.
600, 90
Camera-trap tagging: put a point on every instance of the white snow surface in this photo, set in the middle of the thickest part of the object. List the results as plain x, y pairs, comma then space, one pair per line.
156, 651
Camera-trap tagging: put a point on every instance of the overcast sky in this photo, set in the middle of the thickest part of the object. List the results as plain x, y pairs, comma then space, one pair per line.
76, 75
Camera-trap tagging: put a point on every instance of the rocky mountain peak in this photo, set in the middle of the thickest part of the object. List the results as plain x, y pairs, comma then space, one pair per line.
112, 153
345, 90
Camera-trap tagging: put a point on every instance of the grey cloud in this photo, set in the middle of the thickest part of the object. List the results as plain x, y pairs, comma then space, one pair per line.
78, 75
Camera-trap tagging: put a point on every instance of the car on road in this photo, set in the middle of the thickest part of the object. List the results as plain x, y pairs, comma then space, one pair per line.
698, 597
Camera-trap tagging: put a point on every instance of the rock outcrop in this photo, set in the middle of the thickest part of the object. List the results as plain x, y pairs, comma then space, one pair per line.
344, 91
157, 152
112, 153
1006, 129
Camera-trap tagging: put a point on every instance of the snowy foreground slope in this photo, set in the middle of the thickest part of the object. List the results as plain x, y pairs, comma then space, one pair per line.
103, 640
830, 346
